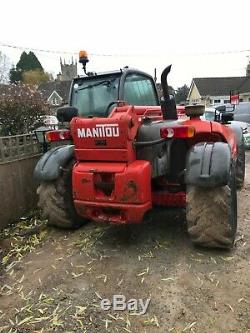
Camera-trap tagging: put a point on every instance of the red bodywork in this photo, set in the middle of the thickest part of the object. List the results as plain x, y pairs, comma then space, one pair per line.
181, 111
109, 184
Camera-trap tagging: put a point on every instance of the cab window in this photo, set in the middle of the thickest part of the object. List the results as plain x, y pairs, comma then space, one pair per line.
91, 96
140, 90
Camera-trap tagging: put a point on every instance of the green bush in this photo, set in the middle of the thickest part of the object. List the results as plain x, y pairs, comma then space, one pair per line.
21, 108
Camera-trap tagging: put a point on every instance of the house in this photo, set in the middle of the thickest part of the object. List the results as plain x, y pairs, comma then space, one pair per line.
56, 93
216, 90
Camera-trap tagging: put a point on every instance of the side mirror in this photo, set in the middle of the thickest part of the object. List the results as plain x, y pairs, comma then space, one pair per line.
66, 113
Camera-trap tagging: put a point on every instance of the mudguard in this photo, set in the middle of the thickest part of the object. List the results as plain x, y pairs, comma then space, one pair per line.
208, 164
236, 128
49, 165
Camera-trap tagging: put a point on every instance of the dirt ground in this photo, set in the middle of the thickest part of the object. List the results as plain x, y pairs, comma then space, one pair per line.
53, 280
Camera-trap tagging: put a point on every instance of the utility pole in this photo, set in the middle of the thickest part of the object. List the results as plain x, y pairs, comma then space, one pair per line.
155, 77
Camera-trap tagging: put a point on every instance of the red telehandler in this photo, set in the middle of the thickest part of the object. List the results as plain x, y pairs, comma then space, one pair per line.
130, 154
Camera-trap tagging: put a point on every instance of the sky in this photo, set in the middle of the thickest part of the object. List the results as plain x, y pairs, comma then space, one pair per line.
199, 38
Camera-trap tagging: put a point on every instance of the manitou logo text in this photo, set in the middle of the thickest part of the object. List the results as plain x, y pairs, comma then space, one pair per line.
100, 131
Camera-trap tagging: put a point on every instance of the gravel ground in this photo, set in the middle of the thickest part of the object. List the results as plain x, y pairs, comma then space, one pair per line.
53, 280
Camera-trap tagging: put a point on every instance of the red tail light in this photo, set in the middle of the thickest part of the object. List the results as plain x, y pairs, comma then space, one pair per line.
177, 132
58, 135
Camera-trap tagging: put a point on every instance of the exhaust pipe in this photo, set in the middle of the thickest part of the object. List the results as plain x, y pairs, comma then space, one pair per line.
168, 105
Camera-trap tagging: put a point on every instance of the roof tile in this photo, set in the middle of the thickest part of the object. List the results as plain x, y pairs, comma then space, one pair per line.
61, 87
221, 86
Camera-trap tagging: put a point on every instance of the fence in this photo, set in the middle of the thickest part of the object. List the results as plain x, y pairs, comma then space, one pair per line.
18, 157
17, 147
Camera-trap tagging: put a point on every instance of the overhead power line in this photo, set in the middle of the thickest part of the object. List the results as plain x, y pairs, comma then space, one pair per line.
18, 47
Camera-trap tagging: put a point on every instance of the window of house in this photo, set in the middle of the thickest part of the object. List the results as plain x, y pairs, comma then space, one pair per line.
55, 101
216, 101
226, 101
139, 90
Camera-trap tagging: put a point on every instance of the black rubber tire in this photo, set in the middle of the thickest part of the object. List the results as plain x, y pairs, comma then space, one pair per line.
212, 214
56, 201
240, 165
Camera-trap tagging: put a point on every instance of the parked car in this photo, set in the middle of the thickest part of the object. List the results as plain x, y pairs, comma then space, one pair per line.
242, 112
209, 114
50, 121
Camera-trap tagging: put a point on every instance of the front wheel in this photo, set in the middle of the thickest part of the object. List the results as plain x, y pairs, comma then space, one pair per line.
212, 214
56, 201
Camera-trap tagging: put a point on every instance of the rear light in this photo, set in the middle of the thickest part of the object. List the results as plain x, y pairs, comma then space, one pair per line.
177, 132
58, 135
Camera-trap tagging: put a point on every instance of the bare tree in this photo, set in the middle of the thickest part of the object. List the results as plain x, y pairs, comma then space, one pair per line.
4, 68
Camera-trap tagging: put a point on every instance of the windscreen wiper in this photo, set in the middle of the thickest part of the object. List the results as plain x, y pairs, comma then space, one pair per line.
96, 84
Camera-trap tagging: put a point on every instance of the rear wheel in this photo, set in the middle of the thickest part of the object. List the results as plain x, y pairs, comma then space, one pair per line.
240, 165
56, 201
212, 214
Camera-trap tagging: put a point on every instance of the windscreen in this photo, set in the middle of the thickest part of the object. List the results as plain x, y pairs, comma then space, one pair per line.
93, 96
209, 115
